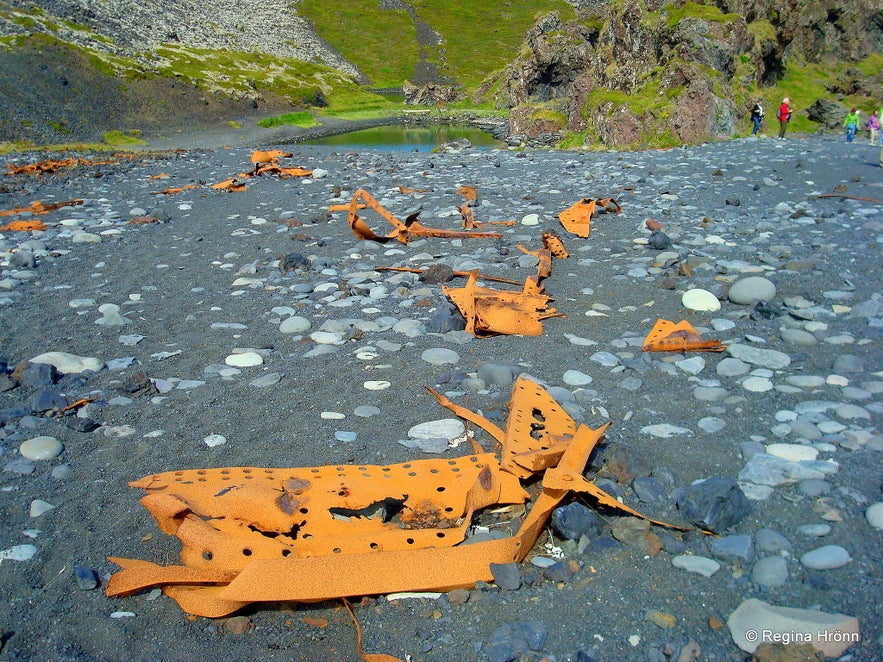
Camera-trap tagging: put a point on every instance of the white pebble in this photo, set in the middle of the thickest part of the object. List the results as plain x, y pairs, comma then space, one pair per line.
244, 360
213, 440
41, 448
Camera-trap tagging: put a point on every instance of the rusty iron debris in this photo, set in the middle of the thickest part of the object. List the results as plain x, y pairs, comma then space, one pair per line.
490, 312
50, 166
577, 218
265, 163
469, 221
402, 231
306, 534
460, 274
23, 226
37, 207
666, 336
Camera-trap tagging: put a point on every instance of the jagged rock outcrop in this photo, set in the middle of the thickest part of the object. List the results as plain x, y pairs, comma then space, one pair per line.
670, 71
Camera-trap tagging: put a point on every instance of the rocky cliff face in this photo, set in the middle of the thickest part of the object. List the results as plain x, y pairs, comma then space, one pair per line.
634, 70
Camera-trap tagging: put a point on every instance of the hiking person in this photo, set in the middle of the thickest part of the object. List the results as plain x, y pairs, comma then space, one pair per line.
784, 116
873, 127
851, 124
757, 116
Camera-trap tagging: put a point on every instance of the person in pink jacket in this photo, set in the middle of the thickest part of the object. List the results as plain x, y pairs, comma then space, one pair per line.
873, 127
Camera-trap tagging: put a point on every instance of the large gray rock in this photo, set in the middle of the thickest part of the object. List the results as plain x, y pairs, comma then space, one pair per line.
755, 622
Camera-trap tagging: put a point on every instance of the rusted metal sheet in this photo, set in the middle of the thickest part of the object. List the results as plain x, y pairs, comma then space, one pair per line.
577, 218
402, 230
666, 336
253, 534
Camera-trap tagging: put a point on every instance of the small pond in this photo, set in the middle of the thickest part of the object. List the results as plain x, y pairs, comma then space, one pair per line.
407, 138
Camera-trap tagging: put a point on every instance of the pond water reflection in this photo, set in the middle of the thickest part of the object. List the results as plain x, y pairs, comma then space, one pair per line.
407, 138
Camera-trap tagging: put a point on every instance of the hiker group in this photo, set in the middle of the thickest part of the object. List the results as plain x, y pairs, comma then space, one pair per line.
783, 114
851, 122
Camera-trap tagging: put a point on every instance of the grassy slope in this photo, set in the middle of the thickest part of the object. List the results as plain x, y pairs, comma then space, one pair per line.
478, 36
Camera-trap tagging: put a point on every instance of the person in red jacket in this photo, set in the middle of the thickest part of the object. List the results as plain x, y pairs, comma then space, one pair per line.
784, 115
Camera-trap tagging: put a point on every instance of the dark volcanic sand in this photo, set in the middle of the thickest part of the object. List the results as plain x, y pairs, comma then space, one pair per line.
175, 279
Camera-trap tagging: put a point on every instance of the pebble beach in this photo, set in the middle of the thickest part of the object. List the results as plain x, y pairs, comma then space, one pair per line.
159, 324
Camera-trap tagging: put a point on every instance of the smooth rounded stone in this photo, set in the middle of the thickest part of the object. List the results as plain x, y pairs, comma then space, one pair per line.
295, 324
805, 429
473, 385
18, 553
440, 356
496, 374
770, 571
81, 303
327, 338
711, 424
755, 621
828, 557
576, 378
530, 219
376, 384
244, 360
41, 448
771, 542
213, 440
814, 487
848, 363
806, 381
332, 416
766, 469
836, 380
733, 548
701, 565
83, 237
830, 427
751, 289
765, 358
445, 428
793, 452
700, 300
345, 436
874, 515
692, 366
798, 337
68, 363
814, 530
851, 412
855, 393
710, 393
720, 324
265, 381
631, 384
757, 384
366, 411
730, 367
39, 507
665, 430
410, 328
606, 359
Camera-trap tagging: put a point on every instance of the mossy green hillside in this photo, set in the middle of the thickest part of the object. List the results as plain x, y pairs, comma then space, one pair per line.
477, 37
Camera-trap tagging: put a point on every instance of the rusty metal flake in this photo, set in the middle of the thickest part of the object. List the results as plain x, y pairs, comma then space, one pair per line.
402, 231
577, 218
666, 336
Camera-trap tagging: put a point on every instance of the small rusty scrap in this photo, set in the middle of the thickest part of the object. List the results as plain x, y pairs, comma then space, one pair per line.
469, 221
577, 218
50, 166
253, 534
402, 231
490, 312
666, 336
37, 207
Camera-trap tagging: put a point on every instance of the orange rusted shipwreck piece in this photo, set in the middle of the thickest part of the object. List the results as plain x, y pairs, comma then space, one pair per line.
314, 533
402, 231
666, 336
490, 312
577, 218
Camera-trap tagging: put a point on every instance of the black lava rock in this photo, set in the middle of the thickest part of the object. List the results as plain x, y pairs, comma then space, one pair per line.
506, 575
576, 520
715, 504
